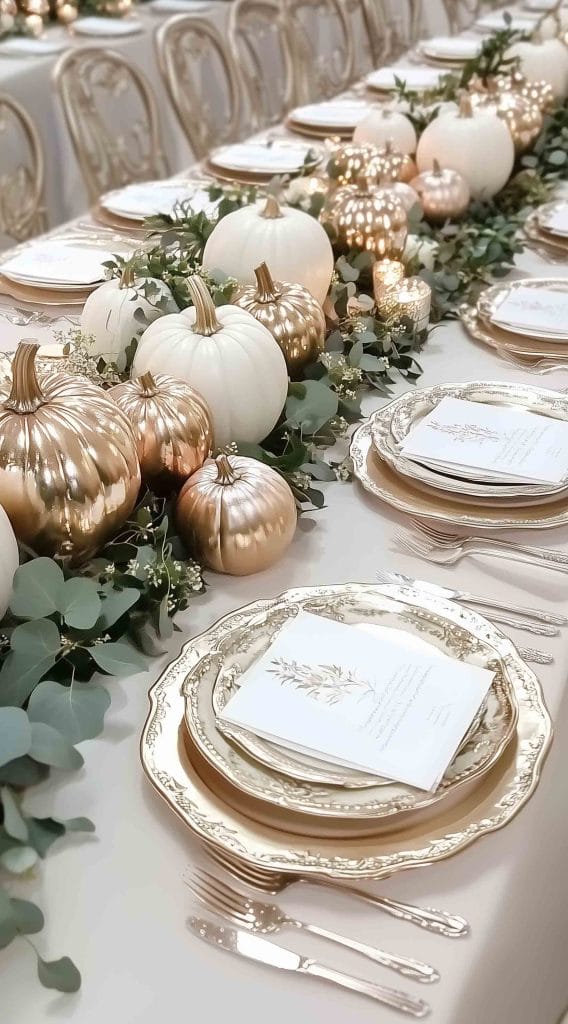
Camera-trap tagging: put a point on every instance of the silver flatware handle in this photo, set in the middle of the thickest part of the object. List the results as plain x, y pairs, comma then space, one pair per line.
439, 921
387, 996
522, 553
517, 622
406, 966
537, 657
518, 609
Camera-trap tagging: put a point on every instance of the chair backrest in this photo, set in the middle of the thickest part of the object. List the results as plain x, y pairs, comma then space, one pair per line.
202, 81
403, 24
112, 118
323, 45
259, 33
22, 212
461, 13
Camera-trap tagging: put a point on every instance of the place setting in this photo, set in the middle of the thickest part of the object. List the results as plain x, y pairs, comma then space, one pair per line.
54, 272
334, 117
257, 162
449, 51
126, 209
547, 229
418, 80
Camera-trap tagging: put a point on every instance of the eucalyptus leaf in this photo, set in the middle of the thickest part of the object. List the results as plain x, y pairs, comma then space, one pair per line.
23, 771
317, 406
43, 832
79, 603
116, 603
77, 711
28, 917
14, 822
59, 974
36, 589
8, 926
18, 859
15, 734
35, 646
51, 747
118, 659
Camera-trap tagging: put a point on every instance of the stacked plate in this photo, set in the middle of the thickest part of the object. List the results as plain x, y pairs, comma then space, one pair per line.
422, 491
419, 80
260, 805
257, 162
335, 117
53, 272
547, 229
129, 206
527, 343
450, 51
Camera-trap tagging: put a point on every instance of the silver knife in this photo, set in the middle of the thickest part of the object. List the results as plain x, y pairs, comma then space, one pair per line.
254, 947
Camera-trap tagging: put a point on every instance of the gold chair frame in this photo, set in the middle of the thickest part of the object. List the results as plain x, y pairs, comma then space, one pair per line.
314, 78
108, 160
182, 44
244, 16
461, 13
22, 200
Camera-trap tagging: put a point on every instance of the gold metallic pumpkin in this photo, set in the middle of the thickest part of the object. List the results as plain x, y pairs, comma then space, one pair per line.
236, 515
350, 161
401, 191
172, 427
444, 194
69, 472
389, 164
541, 94
368, 218
521, 115
291, 314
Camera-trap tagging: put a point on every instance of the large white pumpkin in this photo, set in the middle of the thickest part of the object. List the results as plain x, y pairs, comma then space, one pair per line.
475, 143
9, 560
382, 126
225, 354
108, 314
292, 243
544, 62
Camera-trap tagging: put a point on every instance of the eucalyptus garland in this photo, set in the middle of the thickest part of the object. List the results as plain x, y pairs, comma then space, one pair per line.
68, 630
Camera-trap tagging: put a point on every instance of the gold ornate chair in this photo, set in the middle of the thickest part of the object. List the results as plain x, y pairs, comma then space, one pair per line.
112, 118
22, 210
403, 24
323, 45
461, 13
259, 34
202, 81
368, 37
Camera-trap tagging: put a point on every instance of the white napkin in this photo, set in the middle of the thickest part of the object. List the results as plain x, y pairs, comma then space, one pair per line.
494, 22
415, 77
335, 113
177, 6
255, 157
540, 312
148, 198
452, 47
21, 46
54, 263
107, 26
556, 221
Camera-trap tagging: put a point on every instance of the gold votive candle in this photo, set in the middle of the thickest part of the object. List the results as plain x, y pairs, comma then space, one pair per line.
386, 274
410, 300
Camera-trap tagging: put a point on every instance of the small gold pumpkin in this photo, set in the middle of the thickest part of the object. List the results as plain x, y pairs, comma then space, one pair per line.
236, 515
541, 94
369, 218
444, 194
69, 472
389, 164
349, 162
521, 115
172, 427
291, 314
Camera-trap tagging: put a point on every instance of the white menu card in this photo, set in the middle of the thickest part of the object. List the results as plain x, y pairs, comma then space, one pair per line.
357, 699
490, 442
556, 220
540, 311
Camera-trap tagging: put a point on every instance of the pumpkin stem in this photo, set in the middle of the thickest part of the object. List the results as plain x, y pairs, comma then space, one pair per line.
466, 109
25, 395
272, 209
148, 386
206, 319
437, 170
127, 276
266, 290
225, 472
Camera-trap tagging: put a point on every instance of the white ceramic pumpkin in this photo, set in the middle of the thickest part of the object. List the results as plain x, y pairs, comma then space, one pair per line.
544, 62
225, 354
552, 25
108, 314
473, 142
9, 560
380, 126
293, 244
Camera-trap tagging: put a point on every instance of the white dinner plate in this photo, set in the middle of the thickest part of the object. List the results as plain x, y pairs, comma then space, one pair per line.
258, 159
56, 265
451, 47
149, 198
107, 26
495, 21
417, 79
21, 46
178, 6
333, 114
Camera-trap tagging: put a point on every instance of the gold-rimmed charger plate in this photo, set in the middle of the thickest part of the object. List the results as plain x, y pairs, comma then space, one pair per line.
548, 210
490, 300
401, 493
489, 807
527, 349
554, 245
342, 132
36, 295
321, 809
392, 424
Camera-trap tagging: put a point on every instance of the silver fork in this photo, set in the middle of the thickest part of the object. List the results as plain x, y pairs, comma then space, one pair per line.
272, 882
265, 918
520, 618
447, 549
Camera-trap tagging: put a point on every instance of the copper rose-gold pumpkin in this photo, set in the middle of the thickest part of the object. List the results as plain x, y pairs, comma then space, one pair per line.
389, 164
236, 515
521, 115
350, 161
443, 193
368, 218
69, 472
540, 93
291, 314
172, 426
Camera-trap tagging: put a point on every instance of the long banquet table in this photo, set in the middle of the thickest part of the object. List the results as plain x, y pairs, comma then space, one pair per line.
116, 901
